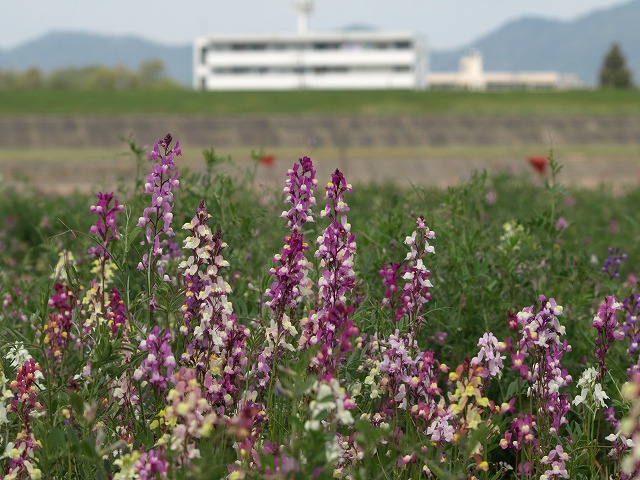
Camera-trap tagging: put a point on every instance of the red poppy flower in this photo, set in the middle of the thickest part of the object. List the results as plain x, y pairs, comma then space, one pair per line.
539, 164
267, 160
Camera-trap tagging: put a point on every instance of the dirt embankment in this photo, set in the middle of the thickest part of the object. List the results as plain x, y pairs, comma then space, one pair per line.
63, 153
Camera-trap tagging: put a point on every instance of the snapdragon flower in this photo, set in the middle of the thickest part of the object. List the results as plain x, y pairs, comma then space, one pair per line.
591, 393
291, 282
631, 329
152, 464
117, 314
630, 427
556, 460
330, 327
106, 227
490, 356
157, 218
336, 246
157, 368
215, 341
58, 330
415, 293
331, 403
538, 357
389, 274
298, 190
613, 261
189, 415
24, 404
606, 324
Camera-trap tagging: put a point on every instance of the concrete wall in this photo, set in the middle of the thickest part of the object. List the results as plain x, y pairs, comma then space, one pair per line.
255, 131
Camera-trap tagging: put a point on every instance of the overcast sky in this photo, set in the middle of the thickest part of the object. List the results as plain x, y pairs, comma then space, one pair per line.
444, 23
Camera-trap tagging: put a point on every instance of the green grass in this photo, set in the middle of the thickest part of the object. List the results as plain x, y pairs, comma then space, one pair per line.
606, 102
479, 274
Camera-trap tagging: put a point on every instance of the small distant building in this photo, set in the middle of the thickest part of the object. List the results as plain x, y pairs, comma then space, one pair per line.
310, 60
471, 76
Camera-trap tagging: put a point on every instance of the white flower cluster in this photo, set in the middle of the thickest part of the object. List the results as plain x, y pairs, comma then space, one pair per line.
591, 393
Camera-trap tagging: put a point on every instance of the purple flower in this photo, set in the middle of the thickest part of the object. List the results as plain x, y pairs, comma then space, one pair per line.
490, 356
415, 293
613, 261
538, 358
389, 274
158, 367
24, 403
330, 327
298, 192
160, 184
606, 324
117, 315
556, 460
336, 246
152, 464
291, 276
561, 224
106, 228
58, 330
631, 306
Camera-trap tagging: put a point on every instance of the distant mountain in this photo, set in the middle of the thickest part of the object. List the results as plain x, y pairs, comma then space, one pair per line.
78, 49
577, 47
526, 44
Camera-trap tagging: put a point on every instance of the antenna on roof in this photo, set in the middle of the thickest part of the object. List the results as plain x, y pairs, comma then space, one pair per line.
303, 8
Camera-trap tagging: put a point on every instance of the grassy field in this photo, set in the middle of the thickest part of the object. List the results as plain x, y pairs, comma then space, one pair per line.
87, 378
320, 102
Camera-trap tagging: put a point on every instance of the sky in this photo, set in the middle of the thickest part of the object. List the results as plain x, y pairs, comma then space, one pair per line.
443, 23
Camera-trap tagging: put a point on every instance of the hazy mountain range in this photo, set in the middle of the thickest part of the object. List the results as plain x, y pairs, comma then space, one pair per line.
526, 44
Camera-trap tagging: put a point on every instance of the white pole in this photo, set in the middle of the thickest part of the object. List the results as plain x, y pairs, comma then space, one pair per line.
303, 9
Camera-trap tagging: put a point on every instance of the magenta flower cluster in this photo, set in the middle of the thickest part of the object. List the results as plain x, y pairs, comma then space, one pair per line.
613, 261
157, 368
631, 329
106, 228
415, 293
291, 280
58, 330
330, 327
117, 314
490, 356
24, 403
152, 465
608, 330
161, 182
336, 247
537, 359
298, 191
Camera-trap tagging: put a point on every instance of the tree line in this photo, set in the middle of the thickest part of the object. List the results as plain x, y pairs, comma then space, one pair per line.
149, 75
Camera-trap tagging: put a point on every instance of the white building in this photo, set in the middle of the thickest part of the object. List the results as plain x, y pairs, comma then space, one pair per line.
471, 76
310, 60
343, 60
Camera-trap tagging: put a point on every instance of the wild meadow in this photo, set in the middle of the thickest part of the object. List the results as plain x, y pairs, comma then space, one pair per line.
196, 325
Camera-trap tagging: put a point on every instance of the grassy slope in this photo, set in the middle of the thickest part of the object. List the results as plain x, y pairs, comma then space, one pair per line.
320, 102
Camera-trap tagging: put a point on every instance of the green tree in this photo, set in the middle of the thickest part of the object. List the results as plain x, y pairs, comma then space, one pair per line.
614, 72
151, 71
30, 80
